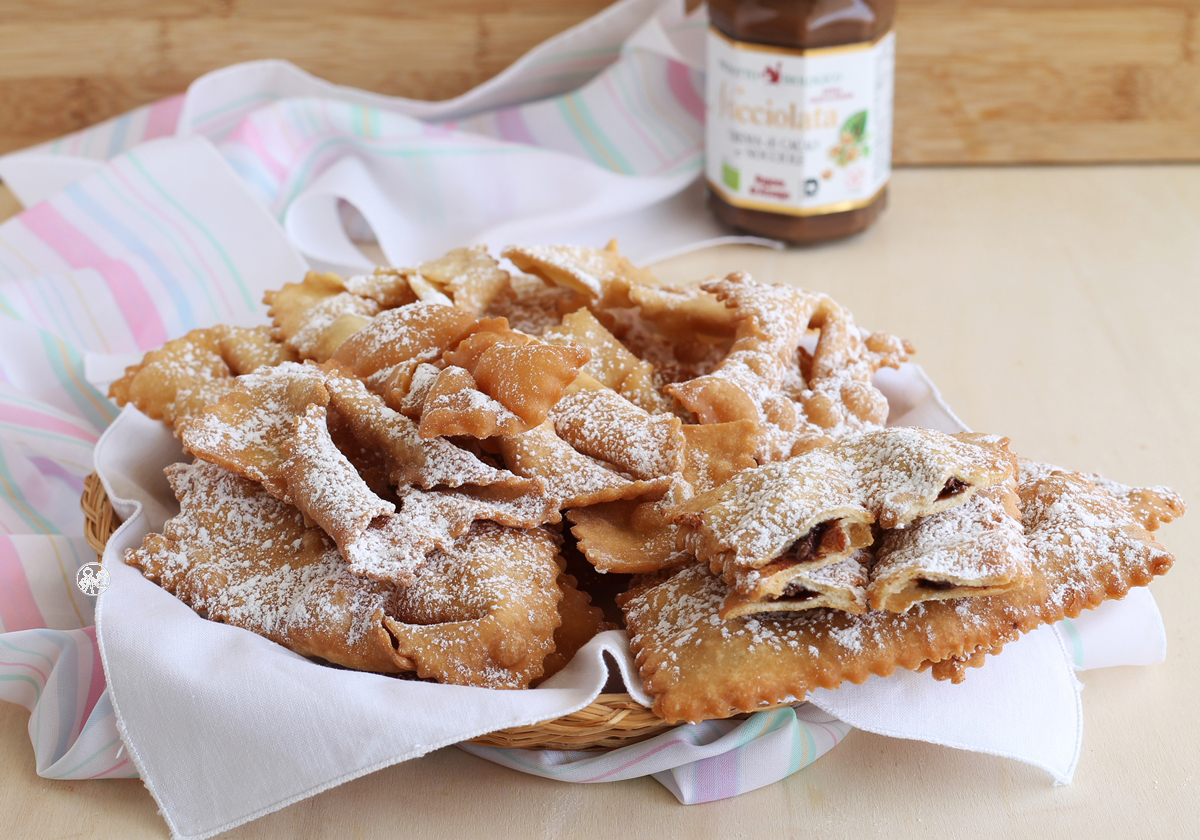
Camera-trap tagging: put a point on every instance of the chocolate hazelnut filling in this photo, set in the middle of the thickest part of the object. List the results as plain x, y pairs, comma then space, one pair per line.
808, 547
823, 538
797, 592
936, 585
952, 488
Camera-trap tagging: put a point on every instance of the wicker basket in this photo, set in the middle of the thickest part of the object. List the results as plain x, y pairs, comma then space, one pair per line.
610, 721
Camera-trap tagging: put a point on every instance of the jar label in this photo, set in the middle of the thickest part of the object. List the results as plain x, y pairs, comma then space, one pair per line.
801, 132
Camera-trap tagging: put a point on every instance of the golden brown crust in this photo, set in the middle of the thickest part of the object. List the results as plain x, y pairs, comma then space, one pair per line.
799, 401
1087, 546
575, 479
268, 573
631, 536
977, 548
178, 379
313, 317
580, 621
483, 612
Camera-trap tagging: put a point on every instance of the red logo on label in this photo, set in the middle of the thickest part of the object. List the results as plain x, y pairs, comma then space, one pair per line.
773, 73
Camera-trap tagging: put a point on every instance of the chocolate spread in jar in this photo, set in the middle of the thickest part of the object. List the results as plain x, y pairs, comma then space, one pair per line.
799, 116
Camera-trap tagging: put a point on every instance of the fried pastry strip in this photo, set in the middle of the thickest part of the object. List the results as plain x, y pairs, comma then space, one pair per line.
977, 548
327, 489
408, 459
454, 405
248, 429
181, 377
498, 382
590, 271
1086, 547
483, 612
575, 479
599, 422
401, 337
271, 574
842, 585
313, 317
273, 429
840, 396
470, 277
630, 533
761, 379
524, 374
631, 536
1088, 544
771, 321
612, 364
386, 286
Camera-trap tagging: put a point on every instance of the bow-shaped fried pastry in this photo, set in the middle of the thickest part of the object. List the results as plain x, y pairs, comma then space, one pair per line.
599, 422
273, 428
178, 379
313, 317
612, 364
398, 340
470, 277
498, 382
575, 479
482, 612
797, 401
271, 574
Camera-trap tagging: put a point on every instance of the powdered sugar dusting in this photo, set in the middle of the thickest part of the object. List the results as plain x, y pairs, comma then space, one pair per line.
605, 425
238, 555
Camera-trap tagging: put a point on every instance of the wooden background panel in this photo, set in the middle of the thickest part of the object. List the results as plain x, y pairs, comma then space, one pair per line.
1060, 80
66, 64
977, 81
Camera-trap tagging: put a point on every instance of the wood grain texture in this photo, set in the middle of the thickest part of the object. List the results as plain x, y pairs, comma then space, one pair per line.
1061, 81
988, 81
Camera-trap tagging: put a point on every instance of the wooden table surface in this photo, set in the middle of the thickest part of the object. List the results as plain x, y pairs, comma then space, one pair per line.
991, 81
1056, 305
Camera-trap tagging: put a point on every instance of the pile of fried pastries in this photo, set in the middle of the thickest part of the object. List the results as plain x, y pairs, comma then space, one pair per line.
464, 470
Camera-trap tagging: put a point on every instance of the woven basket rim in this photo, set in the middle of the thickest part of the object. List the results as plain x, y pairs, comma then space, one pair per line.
611, 720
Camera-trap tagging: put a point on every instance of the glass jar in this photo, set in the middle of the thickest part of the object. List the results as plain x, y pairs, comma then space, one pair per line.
799, 115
